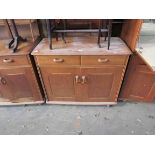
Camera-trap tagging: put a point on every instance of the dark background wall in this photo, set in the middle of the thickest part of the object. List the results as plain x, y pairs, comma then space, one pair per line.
24, 26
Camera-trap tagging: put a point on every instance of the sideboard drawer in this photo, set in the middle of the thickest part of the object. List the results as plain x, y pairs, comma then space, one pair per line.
58, 60
103, 60
14, 60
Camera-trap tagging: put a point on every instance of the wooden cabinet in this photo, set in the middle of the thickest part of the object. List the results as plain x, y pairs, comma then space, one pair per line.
18, 81
139, 81
82, 84
26, 27
84, 78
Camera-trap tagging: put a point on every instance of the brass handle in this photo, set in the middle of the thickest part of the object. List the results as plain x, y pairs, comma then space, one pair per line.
84, 79
3, 81
77, 79
7, 60
102, 60
58, 60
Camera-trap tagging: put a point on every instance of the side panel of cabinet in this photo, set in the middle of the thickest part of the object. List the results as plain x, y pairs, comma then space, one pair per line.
60, 83
18, 85
101, 84
139, 82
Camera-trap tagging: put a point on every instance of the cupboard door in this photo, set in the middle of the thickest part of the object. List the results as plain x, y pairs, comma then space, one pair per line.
101, 84
18, 85
5, 92
60, 84
139, 82
141, 85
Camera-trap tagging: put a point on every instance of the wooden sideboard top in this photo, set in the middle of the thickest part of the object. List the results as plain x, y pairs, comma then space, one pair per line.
85, 45
24, 48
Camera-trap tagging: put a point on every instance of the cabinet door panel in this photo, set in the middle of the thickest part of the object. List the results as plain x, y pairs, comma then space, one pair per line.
142, 82
98, 82
102, 84
146, 79
60, 83
5, 92
139, 82
20, 85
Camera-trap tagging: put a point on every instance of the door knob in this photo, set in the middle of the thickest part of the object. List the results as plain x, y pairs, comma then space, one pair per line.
77, 79
84, 79
2, 80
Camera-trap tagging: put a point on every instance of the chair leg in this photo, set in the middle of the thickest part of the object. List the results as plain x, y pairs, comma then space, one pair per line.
63, 34
109, 32
106, 34
99, 34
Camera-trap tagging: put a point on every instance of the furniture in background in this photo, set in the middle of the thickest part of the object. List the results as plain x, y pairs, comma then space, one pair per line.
77, 70
19, 80
26, 27
16, 39
103, 27
19, 83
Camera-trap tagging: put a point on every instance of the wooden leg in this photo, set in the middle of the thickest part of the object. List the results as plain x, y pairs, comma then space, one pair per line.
99, 34
109, 32
63, 34
106, 34
17, 38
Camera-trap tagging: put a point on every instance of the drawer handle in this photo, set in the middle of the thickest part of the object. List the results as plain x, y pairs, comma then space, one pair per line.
84, 79
7, 60
58, 60
77, 79
100, 60
3, 81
